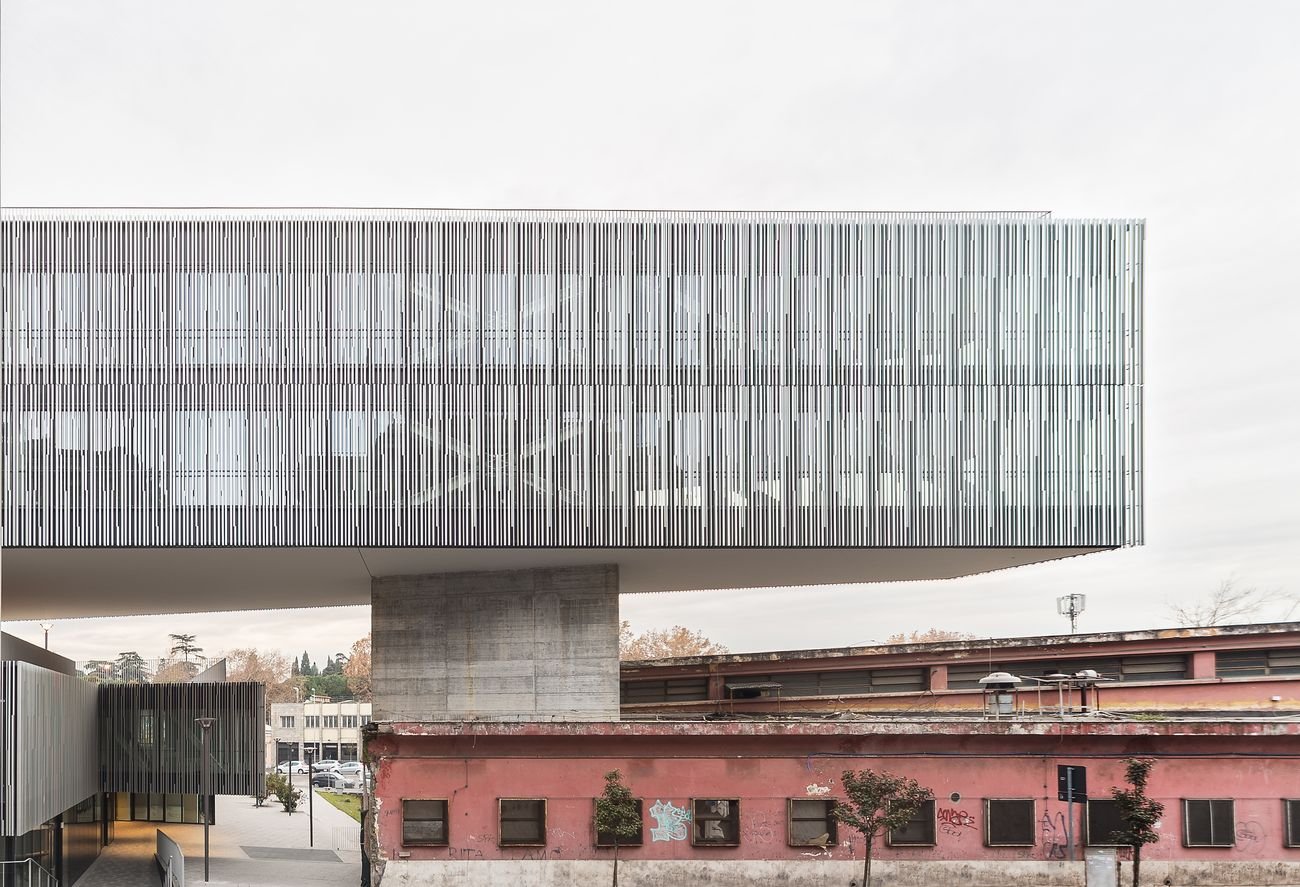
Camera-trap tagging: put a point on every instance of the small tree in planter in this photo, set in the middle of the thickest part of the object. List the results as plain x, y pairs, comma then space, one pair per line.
616, 813
1138, 812
878, 801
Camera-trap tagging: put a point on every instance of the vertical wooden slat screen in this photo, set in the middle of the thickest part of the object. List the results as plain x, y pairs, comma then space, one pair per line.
584, 379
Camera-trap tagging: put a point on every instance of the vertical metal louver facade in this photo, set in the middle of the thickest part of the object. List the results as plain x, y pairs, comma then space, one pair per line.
47, 745
584, 379
149, 741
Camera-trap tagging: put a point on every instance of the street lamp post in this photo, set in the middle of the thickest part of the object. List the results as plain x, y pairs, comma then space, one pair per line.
206, 800
45, 627
311, 826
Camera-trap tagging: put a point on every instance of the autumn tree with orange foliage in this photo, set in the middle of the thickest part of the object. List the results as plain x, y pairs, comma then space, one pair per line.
357, 669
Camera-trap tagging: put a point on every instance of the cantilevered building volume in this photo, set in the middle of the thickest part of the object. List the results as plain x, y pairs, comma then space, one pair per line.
489, 424
908, 395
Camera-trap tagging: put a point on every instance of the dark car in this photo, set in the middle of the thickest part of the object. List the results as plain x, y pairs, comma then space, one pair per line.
328, 779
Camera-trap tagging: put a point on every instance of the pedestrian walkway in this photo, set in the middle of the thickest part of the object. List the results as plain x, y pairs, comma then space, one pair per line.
250, 847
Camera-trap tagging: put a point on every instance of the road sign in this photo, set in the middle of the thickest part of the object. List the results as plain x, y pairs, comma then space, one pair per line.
1071, 784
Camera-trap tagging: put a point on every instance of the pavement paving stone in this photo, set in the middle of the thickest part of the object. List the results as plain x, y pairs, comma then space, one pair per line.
128, 861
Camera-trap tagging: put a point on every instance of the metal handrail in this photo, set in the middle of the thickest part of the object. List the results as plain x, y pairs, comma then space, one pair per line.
40, 878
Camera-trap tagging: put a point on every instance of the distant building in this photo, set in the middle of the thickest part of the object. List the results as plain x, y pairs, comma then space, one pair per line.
331, 729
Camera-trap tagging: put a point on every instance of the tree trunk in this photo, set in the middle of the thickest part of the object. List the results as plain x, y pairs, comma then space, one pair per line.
616, 861
1137, 862
866, 867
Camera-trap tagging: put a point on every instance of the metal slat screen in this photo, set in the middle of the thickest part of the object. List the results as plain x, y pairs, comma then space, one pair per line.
596, 379
149, 741
47, 752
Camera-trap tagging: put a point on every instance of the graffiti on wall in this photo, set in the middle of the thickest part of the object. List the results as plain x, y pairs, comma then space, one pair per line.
671, 821
1053, 836
954, 821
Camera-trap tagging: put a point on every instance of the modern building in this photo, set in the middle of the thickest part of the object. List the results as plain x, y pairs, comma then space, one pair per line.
737, 784
78, 756
331, 730
489, 424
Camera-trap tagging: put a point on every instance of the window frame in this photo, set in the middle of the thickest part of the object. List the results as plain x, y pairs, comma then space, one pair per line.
1232, 832
988, 822
1291, 822
446, 823
934, 829
1087, 824
640, 839
831, 822
733, 813
502, 842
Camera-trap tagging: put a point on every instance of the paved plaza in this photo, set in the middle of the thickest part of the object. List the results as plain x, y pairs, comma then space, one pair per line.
250, 845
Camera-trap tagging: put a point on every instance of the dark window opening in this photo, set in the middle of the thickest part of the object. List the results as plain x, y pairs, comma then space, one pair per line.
1209, 822
1291, 808
1103, 820
1009, 822
716, 822
811, 823
522, 821
917, 831
424, 822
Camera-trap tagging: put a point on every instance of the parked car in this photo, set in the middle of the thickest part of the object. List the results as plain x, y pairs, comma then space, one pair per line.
350, 769
298, 767
330, 779
327, 764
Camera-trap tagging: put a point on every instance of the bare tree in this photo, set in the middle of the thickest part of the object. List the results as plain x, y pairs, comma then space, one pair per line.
1232, 603
660, 643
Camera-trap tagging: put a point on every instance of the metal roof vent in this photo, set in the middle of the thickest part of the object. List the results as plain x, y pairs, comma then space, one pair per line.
999, 694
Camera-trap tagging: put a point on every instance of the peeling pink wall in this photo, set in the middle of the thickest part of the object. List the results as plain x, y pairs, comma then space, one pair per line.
764, 772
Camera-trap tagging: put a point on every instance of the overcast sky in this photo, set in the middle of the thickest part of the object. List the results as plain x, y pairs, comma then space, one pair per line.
1179, 112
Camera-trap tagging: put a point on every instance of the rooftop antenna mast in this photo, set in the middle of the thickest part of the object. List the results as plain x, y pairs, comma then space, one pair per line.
1071, 605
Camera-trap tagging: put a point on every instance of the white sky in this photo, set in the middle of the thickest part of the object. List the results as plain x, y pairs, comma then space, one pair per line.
1180, 112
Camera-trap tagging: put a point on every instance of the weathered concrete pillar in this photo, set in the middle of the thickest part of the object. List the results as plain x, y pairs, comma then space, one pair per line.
517, 644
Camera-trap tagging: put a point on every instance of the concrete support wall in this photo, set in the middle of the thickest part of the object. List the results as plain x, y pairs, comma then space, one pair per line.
516, 644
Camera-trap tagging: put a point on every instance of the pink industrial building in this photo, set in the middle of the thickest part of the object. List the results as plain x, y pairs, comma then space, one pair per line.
735, 791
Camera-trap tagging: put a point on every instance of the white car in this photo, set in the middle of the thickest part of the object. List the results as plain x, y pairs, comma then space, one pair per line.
351, 769
327, 764
298, 767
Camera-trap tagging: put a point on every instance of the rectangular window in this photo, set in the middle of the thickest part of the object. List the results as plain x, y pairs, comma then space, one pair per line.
1209, 822
918, 831
1256, 663
1291, 809
522, 821
606, 839
424, 822
1009, 822
716, 822
810, 823
286, 721
1103, 820
365, 719
331, 722
311, 721
349, 722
